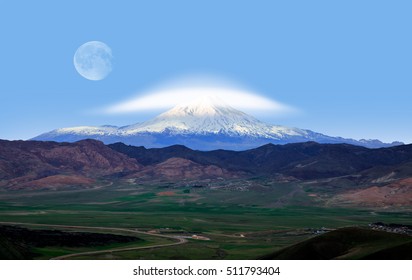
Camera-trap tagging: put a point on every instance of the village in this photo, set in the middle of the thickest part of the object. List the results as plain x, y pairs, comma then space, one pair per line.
393, 228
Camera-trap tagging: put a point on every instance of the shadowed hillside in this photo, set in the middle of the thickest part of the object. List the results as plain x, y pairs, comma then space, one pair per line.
349, 243
18, 243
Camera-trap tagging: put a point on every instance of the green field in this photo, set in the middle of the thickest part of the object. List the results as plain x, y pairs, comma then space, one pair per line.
268, 219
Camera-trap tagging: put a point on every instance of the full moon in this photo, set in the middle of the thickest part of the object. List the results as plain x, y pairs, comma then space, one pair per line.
93, 60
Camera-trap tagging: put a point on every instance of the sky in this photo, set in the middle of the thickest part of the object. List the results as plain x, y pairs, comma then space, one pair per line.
345, 66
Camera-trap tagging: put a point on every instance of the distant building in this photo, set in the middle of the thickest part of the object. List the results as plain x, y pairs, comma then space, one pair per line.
199, 237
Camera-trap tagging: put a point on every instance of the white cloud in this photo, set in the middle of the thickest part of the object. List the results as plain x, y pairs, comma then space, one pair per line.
167, 98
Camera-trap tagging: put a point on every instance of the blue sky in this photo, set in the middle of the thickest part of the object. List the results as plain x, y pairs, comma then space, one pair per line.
346, 65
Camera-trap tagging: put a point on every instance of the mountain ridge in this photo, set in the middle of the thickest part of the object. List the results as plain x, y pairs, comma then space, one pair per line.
347, 173
305, 161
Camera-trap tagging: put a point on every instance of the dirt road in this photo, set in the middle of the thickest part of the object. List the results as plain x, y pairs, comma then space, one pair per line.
179, 241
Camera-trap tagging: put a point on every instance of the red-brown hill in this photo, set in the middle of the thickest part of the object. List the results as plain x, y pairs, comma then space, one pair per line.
51, 163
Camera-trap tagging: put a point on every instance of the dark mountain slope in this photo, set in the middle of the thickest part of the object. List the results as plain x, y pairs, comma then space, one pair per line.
308, 160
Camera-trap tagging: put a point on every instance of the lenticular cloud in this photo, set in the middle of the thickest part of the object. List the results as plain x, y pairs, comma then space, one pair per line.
168, 98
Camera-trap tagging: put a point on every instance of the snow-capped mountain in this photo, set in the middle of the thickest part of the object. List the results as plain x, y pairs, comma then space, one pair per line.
205, 124
210, 115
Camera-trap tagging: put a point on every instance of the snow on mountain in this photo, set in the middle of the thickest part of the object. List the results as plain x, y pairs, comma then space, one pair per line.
206, 123
209, 115
89, 130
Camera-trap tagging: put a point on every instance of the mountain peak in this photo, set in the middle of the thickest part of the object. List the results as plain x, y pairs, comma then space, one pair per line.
207, 105
205, 115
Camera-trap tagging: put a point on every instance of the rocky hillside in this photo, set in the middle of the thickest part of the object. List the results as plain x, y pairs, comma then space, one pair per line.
33, 164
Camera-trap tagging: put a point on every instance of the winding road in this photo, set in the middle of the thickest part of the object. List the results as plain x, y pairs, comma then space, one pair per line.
179, 240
